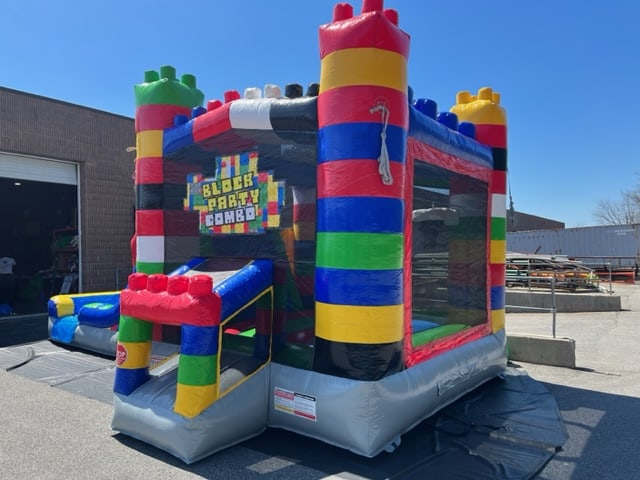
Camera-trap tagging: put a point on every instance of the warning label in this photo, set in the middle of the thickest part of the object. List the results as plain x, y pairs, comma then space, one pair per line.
294, 403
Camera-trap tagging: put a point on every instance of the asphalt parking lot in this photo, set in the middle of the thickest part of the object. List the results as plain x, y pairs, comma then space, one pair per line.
600, 398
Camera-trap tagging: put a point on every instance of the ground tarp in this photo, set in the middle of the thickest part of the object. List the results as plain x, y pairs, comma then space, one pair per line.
508, 428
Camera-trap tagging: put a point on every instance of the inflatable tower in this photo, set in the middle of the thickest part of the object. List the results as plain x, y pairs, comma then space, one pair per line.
359, 281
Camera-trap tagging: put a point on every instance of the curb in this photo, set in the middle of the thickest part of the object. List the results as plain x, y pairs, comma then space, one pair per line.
543, 350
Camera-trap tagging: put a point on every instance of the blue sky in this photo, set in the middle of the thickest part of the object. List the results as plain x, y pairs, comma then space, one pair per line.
568, 71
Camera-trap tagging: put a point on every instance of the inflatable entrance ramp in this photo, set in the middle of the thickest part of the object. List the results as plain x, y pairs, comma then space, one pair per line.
214, 393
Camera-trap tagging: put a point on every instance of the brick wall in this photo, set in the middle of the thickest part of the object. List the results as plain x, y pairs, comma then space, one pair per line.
96, 141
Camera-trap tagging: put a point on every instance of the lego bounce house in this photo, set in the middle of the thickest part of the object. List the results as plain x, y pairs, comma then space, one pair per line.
336, 257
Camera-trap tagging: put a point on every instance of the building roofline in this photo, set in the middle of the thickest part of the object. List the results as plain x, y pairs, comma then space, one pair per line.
62, 102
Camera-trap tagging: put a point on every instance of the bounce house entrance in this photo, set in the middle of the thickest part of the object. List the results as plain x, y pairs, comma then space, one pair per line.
225, 330
244, 341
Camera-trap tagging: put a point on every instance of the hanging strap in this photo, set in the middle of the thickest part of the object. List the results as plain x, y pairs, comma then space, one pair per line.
383, 160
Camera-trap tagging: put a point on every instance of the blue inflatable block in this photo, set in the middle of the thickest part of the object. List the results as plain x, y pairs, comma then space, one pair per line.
99, 315
63, 329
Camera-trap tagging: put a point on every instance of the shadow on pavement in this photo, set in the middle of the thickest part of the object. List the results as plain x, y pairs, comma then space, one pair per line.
16, 329
603, 430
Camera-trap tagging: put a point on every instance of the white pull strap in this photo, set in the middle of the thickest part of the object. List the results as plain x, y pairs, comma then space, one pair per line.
383, 160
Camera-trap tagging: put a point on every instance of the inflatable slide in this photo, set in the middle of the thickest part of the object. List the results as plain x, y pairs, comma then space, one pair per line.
88, 321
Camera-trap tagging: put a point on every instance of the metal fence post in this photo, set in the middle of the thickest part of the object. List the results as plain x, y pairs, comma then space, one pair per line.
553, 303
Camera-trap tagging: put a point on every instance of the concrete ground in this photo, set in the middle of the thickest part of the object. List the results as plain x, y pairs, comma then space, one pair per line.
48, 433
600, 398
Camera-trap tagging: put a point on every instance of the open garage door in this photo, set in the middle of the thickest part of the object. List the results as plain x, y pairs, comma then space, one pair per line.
29, 168
39, 248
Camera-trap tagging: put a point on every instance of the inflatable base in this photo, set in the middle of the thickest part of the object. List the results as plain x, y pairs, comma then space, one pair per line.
363, 417
147, 415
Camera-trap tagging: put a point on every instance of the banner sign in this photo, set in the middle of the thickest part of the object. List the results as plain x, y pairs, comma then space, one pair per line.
239, 199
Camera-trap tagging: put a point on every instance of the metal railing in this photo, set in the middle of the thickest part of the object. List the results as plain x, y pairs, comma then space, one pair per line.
613, 272
522, 272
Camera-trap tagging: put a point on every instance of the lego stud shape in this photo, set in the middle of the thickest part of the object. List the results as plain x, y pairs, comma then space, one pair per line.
392, 15
168, 72
157, 283
189, 80
151, 76
252, 93
231, 95
138, 281
177, 285
342, 11
372, 6
200, 285
293, 90
213, 104
272, 91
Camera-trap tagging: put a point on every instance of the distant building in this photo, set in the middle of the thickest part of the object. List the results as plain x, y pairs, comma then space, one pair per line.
518, 221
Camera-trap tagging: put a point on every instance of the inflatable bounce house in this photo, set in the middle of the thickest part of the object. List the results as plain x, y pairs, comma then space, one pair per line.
330, 262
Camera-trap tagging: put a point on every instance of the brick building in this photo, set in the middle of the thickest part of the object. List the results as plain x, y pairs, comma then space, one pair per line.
518, 222
66, 197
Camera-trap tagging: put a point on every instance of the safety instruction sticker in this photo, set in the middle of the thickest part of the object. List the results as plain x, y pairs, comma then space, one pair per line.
293, 403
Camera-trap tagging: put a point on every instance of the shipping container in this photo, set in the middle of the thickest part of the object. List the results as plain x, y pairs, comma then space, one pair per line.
613, 245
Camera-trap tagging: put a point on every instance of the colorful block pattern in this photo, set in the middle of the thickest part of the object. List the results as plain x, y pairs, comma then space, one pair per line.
177, 300
484, 110
159, 100
359, 259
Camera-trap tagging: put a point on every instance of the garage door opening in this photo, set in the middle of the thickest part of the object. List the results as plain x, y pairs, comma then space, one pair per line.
40, 233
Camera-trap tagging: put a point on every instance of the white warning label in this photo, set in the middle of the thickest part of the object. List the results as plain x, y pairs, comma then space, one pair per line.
294, 403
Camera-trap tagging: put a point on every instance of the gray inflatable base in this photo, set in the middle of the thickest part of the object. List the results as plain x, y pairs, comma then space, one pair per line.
147, 414
369, 417
364, 417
